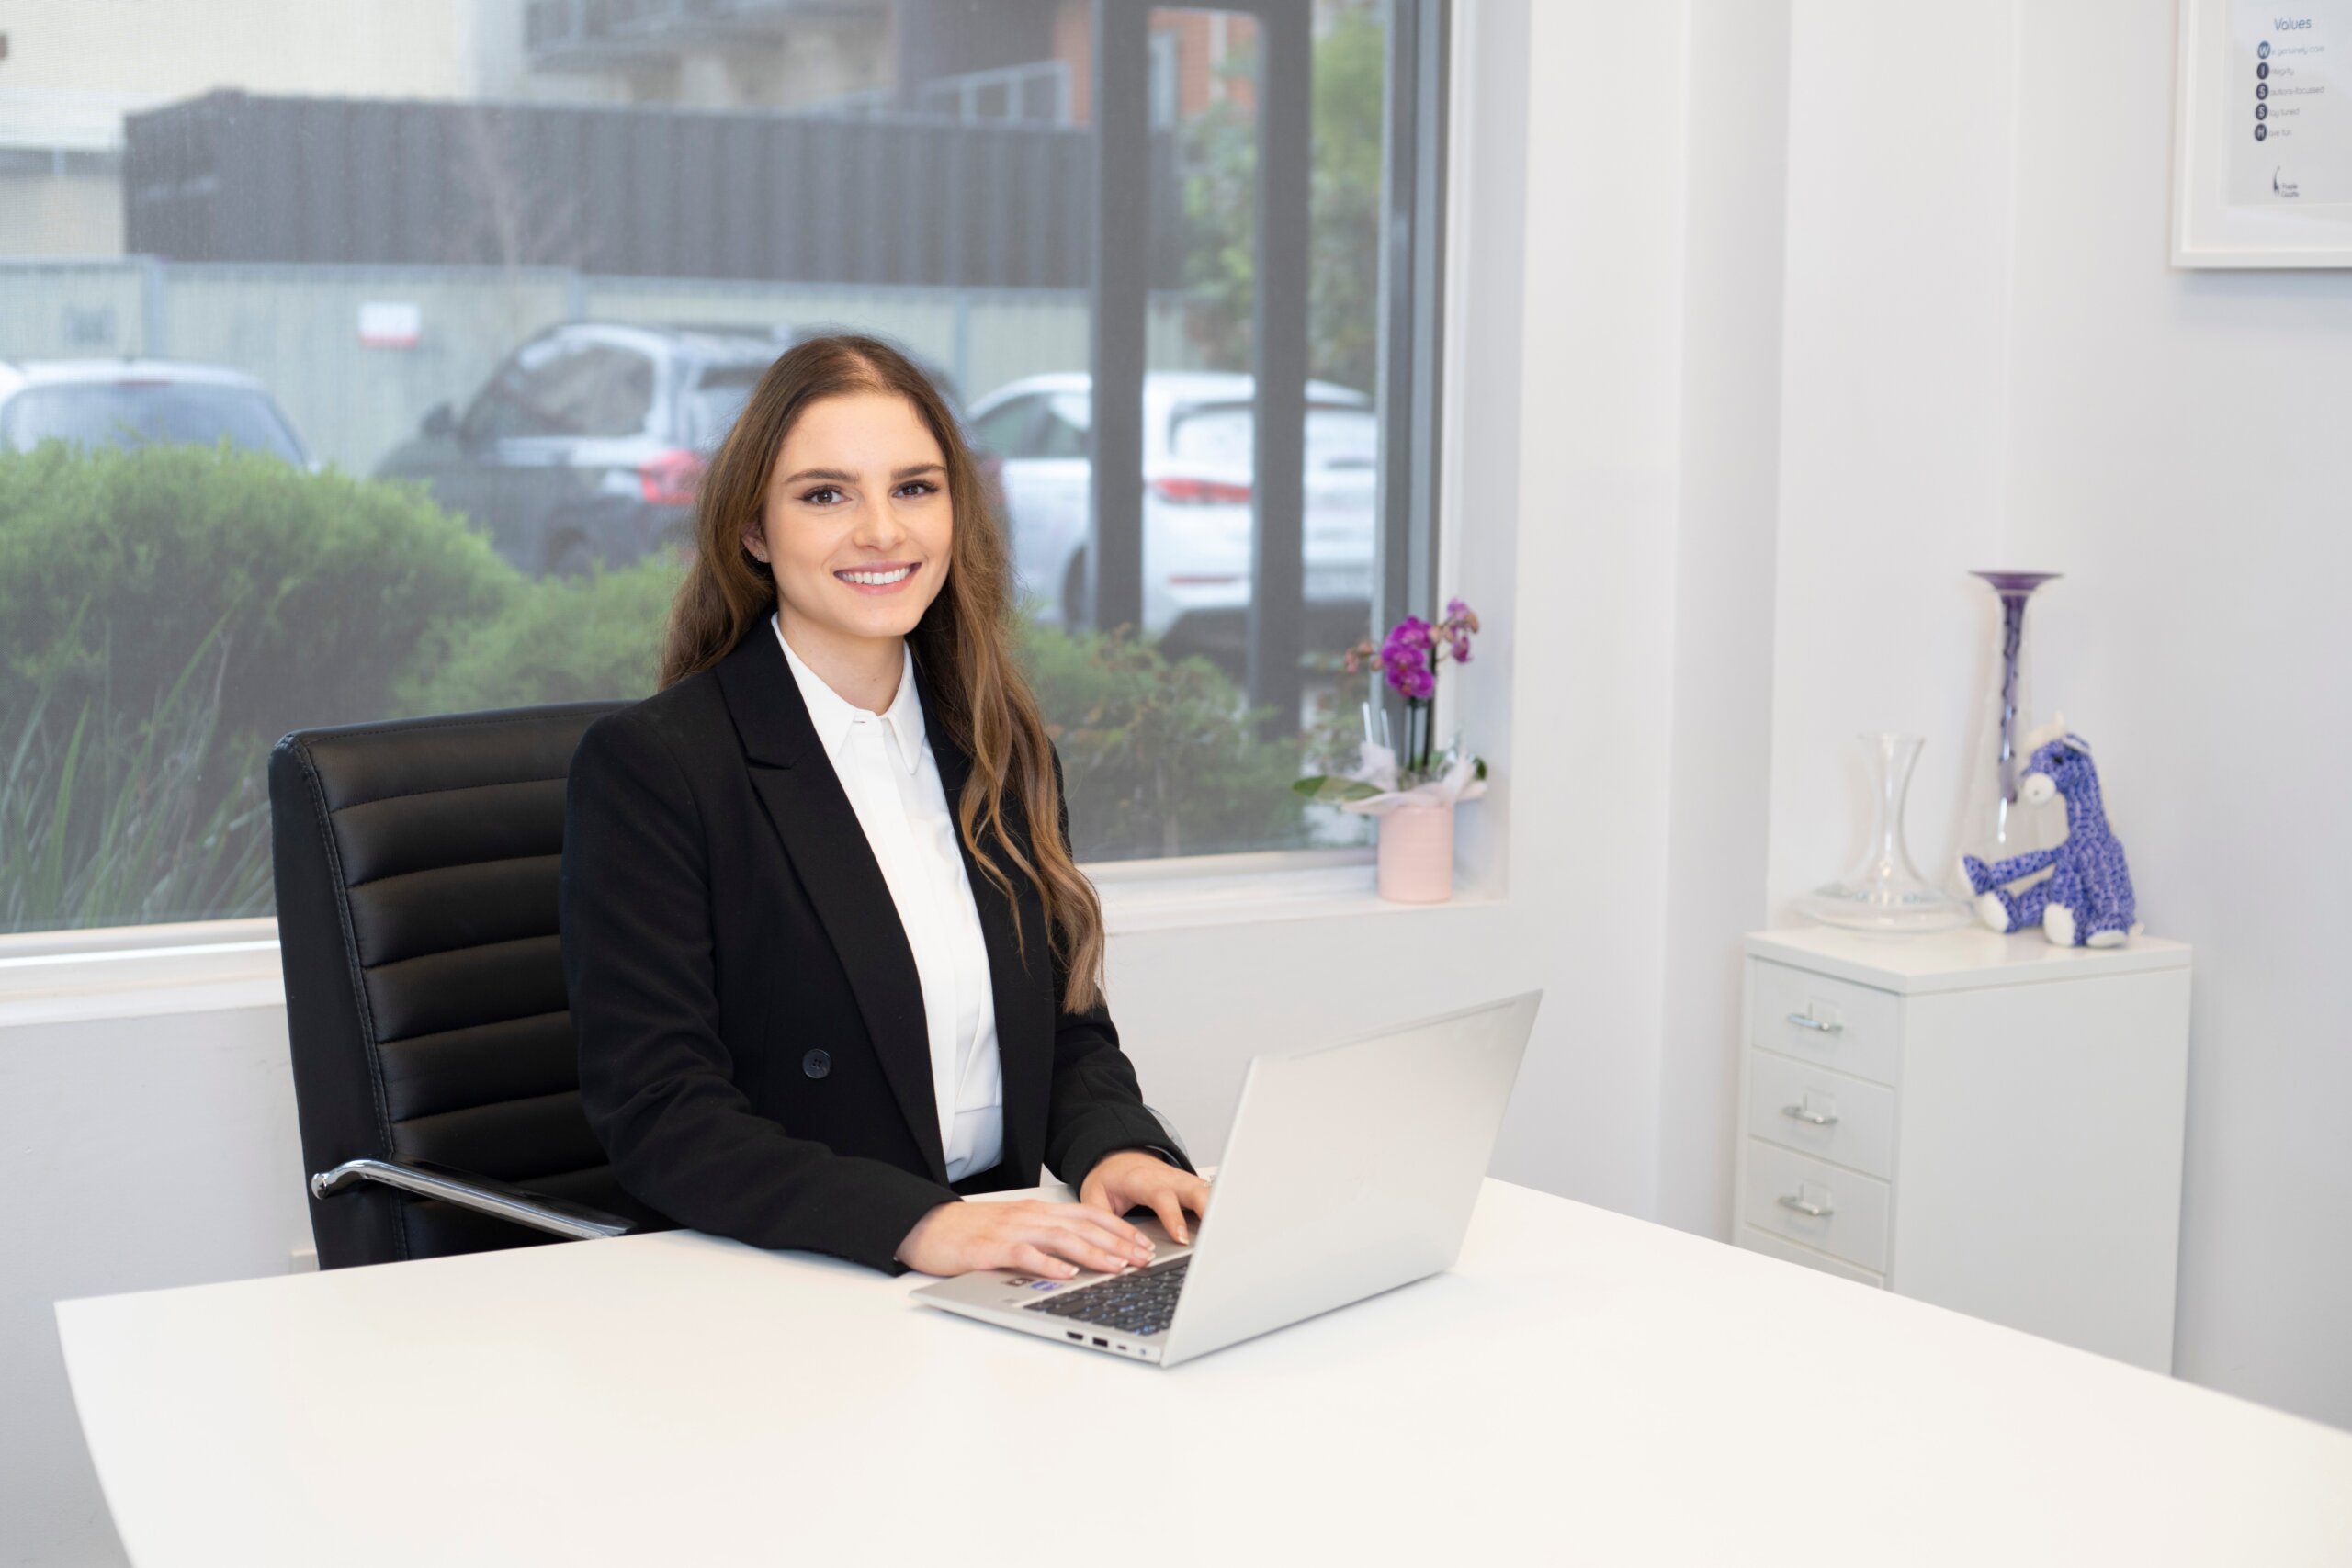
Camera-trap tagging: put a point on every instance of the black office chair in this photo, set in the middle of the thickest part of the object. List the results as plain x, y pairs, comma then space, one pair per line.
434, 1073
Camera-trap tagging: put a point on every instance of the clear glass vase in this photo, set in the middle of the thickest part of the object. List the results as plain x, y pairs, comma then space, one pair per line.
1886, 893
1995, 822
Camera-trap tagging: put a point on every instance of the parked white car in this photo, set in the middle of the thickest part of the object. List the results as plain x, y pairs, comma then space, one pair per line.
1198, 473
136, 402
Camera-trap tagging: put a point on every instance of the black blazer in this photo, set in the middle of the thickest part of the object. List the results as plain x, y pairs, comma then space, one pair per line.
753, 1051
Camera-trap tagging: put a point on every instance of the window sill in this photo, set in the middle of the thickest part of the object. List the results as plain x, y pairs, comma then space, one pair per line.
138, 971
1235, 890
205, 966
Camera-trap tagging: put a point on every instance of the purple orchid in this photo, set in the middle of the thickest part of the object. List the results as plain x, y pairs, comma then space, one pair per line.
1455, 629
1405, 658
1408, 659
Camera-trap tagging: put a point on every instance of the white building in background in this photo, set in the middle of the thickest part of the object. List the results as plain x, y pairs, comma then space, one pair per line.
71, 70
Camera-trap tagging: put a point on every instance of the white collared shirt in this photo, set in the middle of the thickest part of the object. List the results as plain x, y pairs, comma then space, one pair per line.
892, 781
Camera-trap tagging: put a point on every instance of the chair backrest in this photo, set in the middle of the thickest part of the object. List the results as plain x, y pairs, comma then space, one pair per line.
416, 865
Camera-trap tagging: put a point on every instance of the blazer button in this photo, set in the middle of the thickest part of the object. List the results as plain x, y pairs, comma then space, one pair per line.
817, 1064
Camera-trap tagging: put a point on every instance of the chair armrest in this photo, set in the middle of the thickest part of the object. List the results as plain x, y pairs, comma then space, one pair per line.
479, 1193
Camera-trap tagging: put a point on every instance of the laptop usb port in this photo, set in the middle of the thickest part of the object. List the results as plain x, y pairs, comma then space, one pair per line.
1103, 1344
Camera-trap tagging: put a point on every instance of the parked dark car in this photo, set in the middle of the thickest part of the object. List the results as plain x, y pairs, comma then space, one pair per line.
587, 441
137, 402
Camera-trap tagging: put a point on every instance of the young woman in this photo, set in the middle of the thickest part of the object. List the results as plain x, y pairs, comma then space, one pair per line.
831, 964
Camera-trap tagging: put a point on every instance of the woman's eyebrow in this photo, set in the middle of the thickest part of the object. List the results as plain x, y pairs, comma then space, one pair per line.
840, 477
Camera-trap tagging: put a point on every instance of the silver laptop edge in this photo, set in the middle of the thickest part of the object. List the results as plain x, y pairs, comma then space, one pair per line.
1410, 1113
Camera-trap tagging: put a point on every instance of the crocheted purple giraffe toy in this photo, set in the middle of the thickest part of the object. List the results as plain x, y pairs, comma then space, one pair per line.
2086, 901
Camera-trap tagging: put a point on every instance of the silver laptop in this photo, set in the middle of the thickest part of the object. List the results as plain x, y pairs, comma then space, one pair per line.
1411, 1115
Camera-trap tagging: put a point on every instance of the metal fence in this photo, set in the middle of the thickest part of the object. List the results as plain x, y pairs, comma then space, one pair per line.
297, 328
634, 189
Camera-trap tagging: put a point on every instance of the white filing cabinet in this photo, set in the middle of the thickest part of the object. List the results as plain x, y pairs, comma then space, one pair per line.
1987, 1123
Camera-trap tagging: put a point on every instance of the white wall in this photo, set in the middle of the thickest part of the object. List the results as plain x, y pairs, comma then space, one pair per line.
137, 1153
2181, 445
1989, 362
1719, 744
1895, 348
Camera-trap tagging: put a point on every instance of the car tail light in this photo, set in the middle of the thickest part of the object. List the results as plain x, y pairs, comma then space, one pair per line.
669, 478
1201, 492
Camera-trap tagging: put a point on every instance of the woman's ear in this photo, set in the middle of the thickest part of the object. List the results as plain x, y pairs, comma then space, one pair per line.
755, 543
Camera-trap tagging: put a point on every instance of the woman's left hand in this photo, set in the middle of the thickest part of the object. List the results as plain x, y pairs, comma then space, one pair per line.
1131, 1178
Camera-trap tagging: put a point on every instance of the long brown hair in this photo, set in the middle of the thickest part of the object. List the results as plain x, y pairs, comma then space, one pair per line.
962, 644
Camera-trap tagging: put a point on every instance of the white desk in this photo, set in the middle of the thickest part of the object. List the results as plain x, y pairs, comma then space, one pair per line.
1583, 1387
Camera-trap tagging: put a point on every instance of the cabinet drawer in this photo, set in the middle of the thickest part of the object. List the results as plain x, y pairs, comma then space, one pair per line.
1816, 1019
1787, 1251
1851, 1223
1826, 1114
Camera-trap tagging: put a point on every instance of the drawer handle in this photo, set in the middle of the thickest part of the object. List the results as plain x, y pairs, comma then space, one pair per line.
1811, 1117
1806, 1206
1825, 1025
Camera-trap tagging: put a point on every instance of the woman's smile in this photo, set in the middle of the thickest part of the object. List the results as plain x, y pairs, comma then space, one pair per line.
886, 577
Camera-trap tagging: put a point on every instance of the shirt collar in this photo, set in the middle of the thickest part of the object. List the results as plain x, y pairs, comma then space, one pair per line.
832, 715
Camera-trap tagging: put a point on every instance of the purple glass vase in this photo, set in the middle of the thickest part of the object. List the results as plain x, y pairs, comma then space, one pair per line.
1994, 823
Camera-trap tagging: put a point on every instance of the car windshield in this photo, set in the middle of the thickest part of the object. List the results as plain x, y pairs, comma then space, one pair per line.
1224, 435
139, 414
715, 401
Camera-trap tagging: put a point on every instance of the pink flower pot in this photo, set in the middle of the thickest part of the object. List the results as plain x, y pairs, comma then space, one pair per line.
1416, 854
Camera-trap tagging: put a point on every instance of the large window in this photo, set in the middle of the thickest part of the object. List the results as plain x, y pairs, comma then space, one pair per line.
361, 362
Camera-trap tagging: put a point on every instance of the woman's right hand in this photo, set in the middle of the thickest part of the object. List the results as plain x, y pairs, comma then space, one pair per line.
1052, 1241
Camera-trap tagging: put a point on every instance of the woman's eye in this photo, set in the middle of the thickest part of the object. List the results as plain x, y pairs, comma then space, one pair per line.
820, 494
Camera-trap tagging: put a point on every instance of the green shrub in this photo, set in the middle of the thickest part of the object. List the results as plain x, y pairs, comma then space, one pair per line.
1161, 757
100, 821
165, 613
116, 565
558, 640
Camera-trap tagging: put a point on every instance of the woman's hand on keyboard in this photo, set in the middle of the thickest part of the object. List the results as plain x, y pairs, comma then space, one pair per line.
1052, 1241
1131, 1178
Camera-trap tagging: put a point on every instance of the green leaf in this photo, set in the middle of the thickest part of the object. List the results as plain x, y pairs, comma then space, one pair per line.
1328, 787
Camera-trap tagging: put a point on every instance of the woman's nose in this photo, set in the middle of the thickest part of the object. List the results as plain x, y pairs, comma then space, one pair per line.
878, 525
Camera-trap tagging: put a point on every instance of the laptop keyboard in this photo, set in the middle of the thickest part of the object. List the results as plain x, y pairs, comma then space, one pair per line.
1141, 1304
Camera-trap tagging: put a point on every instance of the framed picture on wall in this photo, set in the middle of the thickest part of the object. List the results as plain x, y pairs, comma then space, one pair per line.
2262, 134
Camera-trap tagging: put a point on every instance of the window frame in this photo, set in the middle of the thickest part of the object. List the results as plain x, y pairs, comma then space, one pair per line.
1408, 399
1217, 889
